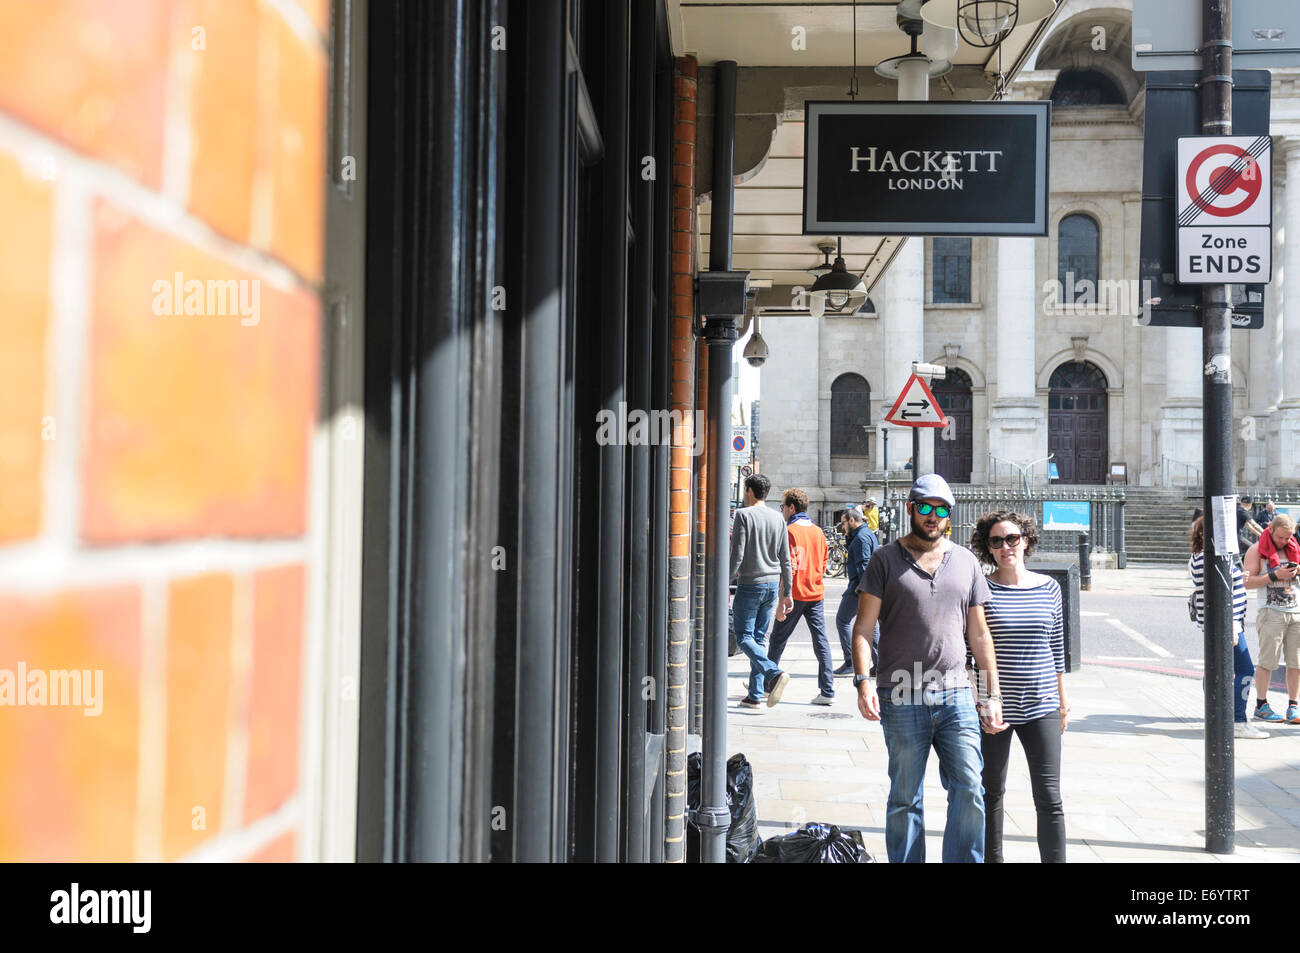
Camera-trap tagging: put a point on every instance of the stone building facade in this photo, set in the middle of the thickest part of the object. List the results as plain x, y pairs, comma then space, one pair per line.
1035, 373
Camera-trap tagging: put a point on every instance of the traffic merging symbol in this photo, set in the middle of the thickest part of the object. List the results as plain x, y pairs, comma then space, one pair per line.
1225, 209
916, 407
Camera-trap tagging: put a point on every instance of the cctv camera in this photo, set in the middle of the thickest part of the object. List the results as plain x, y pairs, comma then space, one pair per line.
756, 350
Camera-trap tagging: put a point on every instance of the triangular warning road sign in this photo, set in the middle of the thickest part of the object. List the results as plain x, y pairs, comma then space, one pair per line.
916, 407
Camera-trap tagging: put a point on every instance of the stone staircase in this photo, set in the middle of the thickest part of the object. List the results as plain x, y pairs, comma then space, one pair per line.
1156, 521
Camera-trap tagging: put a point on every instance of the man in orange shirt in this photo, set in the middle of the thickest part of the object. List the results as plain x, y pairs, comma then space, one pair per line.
808, 563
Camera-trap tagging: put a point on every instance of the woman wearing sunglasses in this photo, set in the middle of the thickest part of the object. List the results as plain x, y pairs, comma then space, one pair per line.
1024, 619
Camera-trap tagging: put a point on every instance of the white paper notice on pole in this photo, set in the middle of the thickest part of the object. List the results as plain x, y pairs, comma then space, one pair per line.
1223, 514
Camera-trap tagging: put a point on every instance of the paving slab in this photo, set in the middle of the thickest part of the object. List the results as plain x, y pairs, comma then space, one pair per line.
1132, 766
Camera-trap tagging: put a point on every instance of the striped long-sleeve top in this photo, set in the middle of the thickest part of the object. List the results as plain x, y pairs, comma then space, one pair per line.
1029, 643
1196, 566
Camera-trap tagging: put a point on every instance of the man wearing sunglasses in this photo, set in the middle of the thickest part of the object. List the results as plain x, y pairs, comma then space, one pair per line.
928, 595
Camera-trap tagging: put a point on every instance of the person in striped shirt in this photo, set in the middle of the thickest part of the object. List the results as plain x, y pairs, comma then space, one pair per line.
1024, 619
1243, 670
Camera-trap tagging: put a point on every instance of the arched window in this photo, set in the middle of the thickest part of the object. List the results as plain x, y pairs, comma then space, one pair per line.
850, 413
1086, 88
1078, 243
950, 270
1077, 385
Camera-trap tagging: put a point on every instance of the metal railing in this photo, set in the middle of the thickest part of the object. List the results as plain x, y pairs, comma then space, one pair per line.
1106, 514
1172, 470
1019, 475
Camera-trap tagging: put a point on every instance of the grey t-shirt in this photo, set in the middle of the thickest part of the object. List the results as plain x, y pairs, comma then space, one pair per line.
760, 547
923, 617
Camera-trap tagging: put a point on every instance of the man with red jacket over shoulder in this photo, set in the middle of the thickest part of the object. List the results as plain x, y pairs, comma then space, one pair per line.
808, 563
1270, 565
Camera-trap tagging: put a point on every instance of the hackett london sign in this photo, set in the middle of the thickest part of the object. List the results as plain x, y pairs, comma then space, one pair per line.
926, 168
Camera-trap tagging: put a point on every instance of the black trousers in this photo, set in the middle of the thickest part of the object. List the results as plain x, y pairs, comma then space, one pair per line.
1041, 740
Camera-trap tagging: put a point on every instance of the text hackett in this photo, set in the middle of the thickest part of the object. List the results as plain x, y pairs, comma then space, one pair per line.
923, 160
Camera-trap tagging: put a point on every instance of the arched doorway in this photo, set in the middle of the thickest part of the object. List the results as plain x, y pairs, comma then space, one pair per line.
953, 446
1076, 422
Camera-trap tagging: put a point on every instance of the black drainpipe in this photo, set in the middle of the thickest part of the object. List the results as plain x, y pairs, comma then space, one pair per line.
722, 299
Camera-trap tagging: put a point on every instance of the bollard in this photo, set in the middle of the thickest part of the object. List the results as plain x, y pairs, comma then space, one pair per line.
1085, 564
1121, 558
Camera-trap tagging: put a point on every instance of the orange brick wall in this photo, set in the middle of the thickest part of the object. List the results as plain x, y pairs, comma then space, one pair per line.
154, 523
680, 509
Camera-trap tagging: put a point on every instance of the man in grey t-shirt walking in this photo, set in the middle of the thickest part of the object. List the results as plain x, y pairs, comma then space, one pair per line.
928, 595
760, 558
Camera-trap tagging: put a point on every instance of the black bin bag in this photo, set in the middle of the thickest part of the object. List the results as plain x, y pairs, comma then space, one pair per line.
814, 844
742, 837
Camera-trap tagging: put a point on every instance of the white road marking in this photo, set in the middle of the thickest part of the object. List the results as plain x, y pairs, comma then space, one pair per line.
1092, 614
1198, 662
1127, 658
1141, 639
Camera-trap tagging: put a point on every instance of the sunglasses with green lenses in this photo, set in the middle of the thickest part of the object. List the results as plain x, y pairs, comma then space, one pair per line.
925, 509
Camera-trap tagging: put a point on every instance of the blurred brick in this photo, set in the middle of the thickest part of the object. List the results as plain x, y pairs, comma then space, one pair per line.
224, 101
282, 850
68, 783
198, 425
297, 150
273, 713
24, 328
90, 73
199, 630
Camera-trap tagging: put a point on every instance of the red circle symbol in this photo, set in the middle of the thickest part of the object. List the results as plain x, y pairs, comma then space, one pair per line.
738, 443
1225, 180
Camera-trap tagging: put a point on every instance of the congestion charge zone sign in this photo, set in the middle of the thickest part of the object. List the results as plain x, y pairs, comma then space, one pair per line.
1225, 209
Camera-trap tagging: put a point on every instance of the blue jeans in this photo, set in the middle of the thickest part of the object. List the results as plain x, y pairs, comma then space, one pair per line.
812, 613
751, 614
948, 721
1244, 671
844, 617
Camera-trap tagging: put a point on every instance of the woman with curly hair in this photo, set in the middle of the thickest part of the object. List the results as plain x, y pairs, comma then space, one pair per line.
1024, 619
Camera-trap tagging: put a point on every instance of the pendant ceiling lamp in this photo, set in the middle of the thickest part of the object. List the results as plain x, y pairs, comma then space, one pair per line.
837, 291
985, 22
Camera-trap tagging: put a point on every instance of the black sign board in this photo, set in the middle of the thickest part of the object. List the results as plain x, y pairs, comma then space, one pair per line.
1173, 109
911, 168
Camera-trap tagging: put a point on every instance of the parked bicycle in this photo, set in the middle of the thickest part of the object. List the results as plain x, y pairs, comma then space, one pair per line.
837, 554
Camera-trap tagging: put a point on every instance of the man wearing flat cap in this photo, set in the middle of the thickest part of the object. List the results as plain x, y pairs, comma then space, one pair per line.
928, 595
